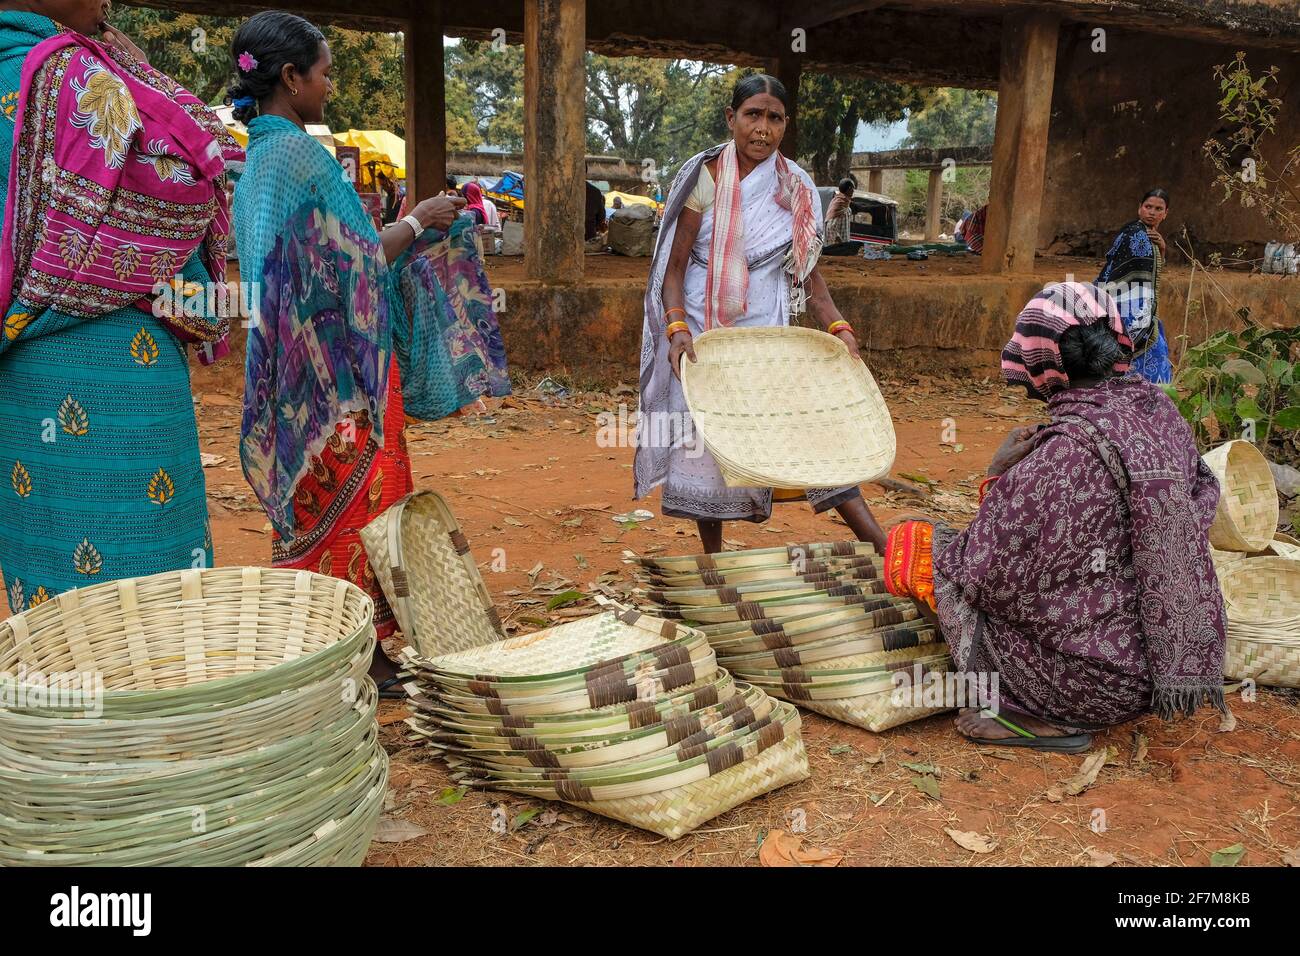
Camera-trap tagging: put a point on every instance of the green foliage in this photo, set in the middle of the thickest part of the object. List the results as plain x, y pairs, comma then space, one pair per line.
664, 110
494, 82
969, 191
830, 109
954, 117
1248, 113
1243, 385
193, 50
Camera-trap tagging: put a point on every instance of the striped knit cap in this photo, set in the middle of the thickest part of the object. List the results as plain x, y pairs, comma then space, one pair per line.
1033, 356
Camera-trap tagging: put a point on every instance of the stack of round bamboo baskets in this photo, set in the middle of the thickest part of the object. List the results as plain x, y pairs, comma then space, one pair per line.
811, 624
1258, 569
218, 717
618, 713
787, 407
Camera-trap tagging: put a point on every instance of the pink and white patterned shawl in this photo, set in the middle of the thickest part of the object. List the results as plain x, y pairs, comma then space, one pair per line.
118, 176
728, 276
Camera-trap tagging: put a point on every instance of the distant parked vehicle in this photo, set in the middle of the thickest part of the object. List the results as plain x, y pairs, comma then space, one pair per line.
873, 218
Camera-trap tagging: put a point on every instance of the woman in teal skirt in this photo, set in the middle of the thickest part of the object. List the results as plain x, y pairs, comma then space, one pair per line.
114, 179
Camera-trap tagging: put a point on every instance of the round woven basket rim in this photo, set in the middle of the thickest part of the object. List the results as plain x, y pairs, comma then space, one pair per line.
219, 687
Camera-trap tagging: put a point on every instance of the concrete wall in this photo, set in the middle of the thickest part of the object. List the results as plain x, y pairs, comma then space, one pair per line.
1135, 117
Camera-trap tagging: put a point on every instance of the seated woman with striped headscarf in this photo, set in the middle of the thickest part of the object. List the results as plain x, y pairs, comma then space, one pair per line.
1084, 583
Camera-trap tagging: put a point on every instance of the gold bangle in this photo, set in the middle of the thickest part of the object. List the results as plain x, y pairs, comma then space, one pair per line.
675, 327
838, 326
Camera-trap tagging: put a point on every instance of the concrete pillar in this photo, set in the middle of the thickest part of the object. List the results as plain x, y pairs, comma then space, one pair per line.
555, 138
426, 109
788, 68
876, 181
1028, 69
933, 205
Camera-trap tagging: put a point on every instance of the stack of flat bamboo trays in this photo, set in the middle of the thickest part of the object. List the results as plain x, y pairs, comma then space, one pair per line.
809, 623
787, 407
617, 713
1258, 569
218, 717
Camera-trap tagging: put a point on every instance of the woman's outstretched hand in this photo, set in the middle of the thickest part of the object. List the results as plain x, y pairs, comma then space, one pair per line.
678, 345
439, 212
851, 343
1016, 447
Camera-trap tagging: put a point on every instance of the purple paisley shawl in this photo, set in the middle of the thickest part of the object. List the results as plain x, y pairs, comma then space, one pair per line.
1094, 602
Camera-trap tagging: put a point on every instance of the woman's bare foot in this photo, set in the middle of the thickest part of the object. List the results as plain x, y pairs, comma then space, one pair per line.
970, 724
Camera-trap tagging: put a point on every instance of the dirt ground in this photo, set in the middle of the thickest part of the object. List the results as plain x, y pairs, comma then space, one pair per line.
531, 480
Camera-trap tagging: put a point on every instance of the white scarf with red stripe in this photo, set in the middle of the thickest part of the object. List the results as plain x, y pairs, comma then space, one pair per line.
728, 275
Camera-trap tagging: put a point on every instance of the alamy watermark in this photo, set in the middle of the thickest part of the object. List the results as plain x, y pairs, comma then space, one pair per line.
624, 428
72, 691
945, 689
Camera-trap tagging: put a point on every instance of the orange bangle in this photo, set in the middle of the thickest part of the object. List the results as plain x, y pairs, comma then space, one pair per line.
838, 326
672, 310
986, 482
675, 327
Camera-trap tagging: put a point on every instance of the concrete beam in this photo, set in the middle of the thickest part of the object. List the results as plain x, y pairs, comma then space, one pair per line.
1028, 69
924, 158
426, 104
555, 138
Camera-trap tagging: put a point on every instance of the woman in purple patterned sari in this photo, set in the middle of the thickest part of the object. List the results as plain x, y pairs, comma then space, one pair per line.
1084, 582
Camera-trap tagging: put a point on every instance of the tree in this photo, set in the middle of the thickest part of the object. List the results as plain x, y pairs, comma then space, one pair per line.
193, 50
665, 110
954, 118
830, 109
494, 82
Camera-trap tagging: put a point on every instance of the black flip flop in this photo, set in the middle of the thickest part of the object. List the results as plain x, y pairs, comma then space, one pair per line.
387, 693
1072, 744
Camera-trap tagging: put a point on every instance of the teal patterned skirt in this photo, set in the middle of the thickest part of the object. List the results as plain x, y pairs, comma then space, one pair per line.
100, 476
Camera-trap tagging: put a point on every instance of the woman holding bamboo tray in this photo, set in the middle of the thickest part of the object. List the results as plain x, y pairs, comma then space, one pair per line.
739, 245
1084, 583
112, 182
321, 441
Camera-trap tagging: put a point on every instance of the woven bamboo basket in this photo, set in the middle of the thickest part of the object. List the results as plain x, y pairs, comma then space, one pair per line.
1246, 519
662, 747
836, 658
789, 555
772, 572
787, 407
1262, 599
235, 725
790, 586
1285, 546
423, 563
775, 609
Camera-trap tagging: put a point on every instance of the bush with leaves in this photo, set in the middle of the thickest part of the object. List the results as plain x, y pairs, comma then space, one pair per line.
1243, 385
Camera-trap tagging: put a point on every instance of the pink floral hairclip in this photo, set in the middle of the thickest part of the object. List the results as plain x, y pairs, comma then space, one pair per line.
247, 62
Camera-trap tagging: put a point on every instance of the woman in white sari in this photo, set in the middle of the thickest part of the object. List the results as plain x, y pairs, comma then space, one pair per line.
739, 244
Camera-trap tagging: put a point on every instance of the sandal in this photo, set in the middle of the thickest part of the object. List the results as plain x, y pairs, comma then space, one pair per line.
1072, 744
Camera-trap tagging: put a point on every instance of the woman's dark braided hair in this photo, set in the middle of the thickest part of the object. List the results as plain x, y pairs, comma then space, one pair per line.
1091, 351
270, 39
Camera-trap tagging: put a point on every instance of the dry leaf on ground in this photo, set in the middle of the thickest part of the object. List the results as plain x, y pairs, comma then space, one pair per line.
783, 849
394, 830
1100, 858
975, 842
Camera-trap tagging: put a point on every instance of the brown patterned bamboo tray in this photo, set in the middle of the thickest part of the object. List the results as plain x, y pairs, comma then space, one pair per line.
664, 749
758, 591
787, 407
423, 563
860, 592
1262, 599
1246, 519
755, 557
772, 572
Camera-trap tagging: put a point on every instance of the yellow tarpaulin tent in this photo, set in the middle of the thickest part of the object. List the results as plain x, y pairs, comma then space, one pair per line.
630, 199
386, 150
